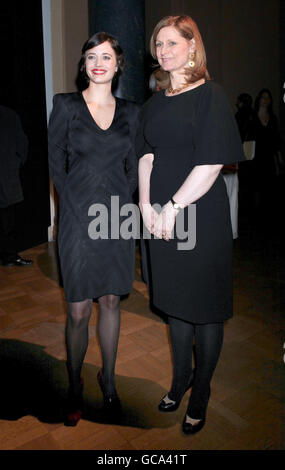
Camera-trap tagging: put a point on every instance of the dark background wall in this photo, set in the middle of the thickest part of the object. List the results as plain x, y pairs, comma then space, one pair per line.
124, 19
282, 72
22, 88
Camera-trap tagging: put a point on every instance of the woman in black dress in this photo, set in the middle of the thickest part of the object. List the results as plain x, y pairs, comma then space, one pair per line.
187, 134
92, 161
265, 165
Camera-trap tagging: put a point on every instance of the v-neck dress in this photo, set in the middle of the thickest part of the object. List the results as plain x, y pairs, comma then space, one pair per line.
193, 128
91, 166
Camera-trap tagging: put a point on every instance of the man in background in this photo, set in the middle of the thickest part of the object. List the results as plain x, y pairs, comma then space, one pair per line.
13, 154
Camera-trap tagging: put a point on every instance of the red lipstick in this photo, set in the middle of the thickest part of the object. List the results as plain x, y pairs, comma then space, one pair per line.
98, 71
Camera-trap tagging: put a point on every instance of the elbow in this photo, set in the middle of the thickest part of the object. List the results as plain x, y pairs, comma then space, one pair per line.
148, 157
214, 170
211, 170
146, 161
218, 168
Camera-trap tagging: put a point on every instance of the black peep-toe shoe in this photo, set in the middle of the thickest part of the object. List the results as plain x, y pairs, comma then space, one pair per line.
173, 405
111, 402
189, 428
74, 410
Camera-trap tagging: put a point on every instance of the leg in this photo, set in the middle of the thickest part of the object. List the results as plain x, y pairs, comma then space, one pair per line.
108, 331
78, 315
181, 334
208, 340
8, 250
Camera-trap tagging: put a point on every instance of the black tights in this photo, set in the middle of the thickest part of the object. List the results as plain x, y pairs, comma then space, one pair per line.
78, 315
208, 345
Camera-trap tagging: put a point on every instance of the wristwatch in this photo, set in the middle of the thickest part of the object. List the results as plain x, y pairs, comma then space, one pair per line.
176, 206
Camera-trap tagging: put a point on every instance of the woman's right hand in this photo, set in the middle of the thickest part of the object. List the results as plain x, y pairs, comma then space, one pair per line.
149, 216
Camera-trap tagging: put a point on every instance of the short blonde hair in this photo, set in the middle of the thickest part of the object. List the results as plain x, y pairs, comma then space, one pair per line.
188, 29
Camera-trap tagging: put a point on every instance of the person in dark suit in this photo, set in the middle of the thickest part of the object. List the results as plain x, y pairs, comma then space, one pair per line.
14, 151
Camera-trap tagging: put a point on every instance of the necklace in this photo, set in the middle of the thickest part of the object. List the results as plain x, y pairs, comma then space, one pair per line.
171, 90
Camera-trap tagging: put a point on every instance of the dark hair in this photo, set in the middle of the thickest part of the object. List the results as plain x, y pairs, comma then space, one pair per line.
245, 99
94, 41
188, 29
258, 98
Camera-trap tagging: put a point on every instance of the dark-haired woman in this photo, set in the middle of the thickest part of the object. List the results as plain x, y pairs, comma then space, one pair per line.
265, 164
188, 133
92, 159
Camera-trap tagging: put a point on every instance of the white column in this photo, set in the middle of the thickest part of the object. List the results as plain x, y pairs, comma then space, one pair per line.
46, 14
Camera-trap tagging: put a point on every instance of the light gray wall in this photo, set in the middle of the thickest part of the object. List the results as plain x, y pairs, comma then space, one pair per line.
69, 30
75, 14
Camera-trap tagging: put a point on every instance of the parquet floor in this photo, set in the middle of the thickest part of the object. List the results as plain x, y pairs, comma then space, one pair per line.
246, 409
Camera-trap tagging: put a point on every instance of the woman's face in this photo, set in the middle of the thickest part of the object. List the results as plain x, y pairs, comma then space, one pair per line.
172, 49
265, 99
101, 63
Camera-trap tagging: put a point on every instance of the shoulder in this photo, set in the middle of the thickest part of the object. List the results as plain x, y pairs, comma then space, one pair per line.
132, 108
9, 113
131, 105
66, 98
274, 119
65, 101
152, 103
10, 119
213, 98
154, 99
213, 91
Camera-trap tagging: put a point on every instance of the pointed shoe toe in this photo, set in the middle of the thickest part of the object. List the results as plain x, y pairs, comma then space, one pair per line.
111, 402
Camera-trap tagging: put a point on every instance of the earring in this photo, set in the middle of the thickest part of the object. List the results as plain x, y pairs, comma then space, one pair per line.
191, 62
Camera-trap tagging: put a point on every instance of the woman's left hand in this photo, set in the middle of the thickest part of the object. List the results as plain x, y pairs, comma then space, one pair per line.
164, 224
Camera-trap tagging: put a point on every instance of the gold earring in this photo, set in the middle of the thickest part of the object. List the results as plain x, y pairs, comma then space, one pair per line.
191, 62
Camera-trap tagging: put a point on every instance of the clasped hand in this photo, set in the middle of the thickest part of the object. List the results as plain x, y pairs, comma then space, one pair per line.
161, 225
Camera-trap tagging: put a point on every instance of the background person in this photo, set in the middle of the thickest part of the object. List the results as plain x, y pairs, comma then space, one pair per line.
13, 154
267, 159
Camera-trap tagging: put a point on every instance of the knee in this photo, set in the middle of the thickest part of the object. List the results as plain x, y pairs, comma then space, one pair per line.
109, 302
78, 317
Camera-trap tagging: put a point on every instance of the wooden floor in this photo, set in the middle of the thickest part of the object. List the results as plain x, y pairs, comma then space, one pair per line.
246, 409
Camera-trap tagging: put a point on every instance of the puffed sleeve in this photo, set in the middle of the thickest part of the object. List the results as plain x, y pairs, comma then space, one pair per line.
57, 142
142, 145
131, 160
216, 135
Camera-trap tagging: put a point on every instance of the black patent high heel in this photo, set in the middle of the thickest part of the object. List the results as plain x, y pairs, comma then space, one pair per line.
74, 408
111, 402
173, 405
189, 428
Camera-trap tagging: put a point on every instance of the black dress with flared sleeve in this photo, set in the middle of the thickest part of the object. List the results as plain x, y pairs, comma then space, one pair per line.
193, 128
95, 174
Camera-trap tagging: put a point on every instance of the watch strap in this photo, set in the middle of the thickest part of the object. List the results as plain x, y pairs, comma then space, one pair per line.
176, 205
